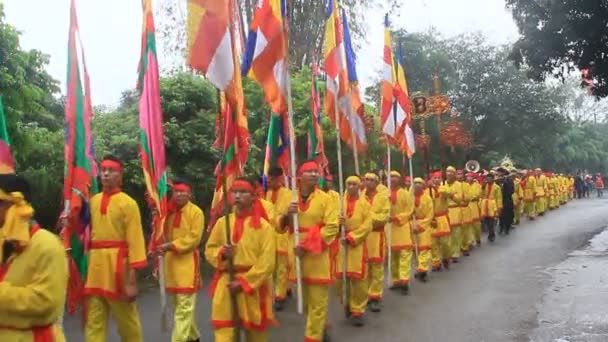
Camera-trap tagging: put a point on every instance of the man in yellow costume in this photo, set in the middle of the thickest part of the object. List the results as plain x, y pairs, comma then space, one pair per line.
117, 251
474, 191
376, 240
441, 251
528, 185
33, 270
280, 197
183, 231
357, 221
466, 230
250, 249
318, 229
518, 197
423, 217
490, 205
541, 192
402, 208
454, 188
551, 191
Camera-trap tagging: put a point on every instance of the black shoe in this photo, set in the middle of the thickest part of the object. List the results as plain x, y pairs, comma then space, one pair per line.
393, 287
421, 276
357, 321
279, 305
326, 337
455, 260
195, 340
466, 253
405, 289
374, 306
446, 264
437, 269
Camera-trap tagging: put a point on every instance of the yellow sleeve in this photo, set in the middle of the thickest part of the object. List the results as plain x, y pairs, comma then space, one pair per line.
134, 236
407, 204
264, 265
380, 208
215, 244
190, 241
331, 221
42, 297
359, 234
427, 212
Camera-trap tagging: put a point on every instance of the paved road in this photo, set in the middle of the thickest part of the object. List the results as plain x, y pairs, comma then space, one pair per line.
492, 296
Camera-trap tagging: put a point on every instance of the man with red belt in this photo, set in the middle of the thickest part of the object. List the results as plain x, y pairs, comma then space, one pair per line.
183, 231
117, 251
33, 270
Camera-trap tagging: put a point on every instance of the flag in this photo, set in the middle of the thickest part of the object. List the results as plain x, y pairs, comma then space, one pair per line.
151, 137
405, 134
388, 120
7, 163
213, 50
80, 181
354, 107
264, 59
316, 149
277, 144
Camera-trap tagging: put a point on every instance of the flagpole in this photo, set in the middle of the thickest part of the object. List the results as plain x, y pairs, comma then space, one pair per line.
414, 236
389, 231
354, 140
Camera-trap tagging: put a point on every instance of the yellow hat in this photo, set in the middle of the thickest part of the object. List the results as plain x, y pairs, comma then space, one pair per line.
373, 176
418, 180
353, 179
450, 169
396, 174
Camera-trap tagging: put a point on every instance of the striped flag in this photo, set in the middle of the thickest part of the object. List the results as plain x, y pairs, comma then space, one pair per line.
389, 120
212, 50
151, 137
316, 149
277, 144
7, 163
405, 135
80, 181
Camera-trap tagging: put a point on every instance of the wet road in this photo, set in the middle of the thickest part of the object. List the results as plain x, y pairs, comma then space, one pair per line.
508, 291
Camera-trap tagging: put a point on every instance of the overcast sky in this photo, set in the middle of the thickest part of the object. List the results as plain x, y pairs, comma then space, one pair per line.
111, 29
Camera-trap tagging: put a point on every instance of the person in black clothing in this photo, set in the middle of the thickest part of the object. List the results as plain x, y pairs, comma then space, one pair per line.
579, 185
508, 209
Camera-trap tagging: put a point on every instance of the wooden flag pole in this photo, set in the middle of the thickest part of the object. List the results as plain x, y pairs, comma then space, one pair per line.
414, 225
389, 231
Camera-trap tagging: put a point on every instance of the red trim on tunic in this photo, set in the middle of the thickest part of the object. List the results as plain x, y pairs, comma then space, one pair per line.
123, 249
197, 279
105, 199
401, 247
376, 260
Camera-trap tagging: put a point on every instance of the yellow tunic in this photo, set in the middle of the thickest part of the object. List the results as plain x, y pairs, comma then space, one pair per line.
424, 216
402, 208
182, 260
491, 200
117, 242
518, 194
467, 216
254, 261
379, 213
529, 188
440, 205
280, 198
454, 211
32, 290
319, 216
474, 192
358, 225
541, 186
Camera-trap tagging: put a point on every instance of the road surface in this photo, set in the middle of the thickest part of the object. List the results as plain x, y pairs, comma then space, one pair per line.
508, 291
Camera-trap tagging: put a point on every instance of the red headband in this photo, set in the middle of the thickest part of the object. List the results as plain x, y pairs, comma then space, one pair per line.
241, 185
308, 167
460, 172
111, 164
408, 178
182, 187
472, 175
437, 174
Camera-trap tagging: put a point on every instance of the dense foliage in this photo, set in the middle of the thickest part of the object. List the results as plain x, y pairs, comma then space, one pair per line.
537, 123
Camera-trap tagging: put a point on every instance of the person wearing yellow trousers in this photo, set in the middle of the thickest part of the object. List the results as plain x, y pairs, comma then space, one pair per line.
402, 208
551, 191
490, 204
376, 243
473, 193
183, 232
117, 251
280, 197
250, 249
440, 225
423, 217
541, 192
518, 198
454, 188
466, 230
358, 224
528, 185
318, 230
33, 270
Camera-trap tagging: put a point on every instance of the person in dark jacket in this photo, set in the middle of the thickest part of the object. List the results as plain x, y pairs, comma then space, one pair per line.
579, 185
508, 208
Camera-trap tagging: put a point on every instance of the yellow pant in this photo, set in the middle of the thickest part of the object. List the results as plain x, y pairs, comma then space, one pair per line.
541, 205
282, 278
424, 259
477, 231
440, 250
530, 208
456, 241
401, 266
227, 335
517, 211
357, 295
125, 315
184, 324
316, 298
467, 237
375, 278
